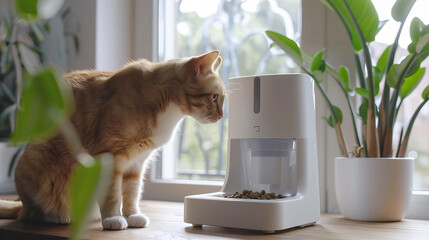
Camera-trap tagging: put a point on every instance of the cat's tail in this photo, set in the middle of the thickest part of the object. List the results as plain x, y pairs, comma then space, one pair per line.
9, 209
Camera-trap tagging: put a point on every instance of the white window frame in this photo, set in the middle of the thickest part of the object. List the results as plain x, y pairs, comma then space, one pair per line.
320, 30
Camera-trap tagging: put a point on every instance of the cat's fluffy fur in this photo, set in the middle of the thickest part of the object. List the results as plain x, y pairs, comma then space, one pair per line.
129, 114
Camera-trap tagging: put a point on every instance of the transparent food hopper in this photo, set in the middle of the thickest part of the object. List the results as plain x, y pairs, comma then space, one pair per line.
269, 164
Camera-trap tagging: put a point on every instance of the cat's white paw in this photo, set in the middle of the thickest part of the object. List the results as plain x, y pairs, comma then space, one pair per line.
138, 221
114, 223
58, 219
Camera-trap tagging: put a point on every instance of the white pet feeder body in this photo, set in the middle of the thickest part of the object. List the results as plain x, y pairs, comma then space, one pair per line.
272, 147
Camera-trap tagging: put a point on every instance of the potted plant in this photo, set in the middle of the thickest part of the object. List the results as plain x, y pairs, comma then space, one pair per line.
374, 183
22, 33
41, 106
18, 49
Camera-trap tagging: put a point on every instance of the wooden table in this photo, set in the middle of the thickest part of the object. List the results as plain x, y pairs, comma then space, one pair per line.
167, 223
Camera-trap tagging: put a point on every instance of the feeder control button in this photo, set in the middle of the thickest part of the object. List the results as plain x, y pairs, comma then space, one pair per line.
256, 128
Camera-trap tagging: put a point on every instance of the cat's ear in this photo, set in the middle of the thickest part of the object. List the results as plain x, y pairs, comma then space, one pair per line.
204, 63
217, 64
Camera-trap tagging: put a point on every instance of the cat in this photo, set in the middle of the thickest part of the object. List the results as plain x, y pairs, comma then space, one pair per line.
129, 114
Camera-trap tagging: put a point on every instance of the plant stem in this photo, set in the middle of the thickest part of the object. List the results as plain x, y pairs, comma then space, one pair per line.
340, 136
352, 113
16, 61
384, 106
404, 144
372, 142
333, 73
360, 71
399, 142
392, 105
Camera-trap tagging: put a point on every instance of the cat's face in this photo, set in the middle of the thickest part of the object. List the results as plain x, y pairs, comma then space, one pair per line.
205, 91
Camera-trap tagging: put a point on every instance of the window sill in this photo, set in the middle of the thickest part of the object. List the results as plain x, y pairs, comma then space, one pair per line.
176, 190
419, 205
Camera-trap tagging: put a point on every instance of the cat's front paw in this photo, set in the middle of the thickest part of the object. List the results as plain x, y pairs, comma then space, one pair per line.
115, 223
58, 219
138, 221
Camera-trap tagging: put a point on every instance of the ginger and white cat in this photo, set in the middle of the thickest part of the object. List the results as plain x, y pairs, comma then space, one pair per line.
129, 114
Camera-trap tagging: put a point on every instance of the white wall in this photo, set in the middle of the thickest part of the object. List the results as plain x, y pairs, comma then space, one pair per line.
82, 20
338, 51
114, 34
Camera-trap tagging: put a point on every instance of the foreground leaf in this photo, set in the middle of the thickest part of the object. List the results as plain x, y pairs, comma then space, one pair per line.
27, 9
87, 184
45, 101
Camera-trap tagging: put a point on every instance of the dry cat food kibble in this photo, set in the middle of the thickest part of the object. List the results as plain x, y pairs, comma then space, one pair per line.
247, 194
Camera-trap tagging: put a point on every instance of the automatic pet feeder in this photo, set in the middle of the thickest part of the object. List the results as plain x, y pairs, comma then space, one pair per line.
272, 147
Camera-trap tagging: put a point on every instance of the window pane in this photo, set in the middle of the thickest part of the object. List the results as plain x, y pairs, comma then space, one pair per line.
237, 29
419, 139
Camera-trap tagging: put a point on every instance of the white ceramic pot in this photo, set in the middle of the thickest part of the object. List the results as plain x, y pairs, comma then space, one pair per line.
373, 189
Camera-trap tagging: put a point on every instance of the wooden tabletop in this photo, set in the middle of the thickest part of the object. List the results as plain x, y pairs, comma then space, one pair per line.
167, 223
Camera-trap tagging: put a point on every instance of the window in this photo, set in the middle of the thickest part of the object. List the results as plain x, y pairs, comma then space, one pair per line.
237, 30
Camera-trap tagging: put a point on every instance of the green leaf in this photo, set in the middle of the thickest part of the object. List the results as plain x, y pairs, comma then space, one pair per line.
377, 79
33, 48
5, 63
7, 27
7, 91
27, 9
425, 93
88, 183
423, 44
396, 71
343, 74
14, 158
45, 102
317, 61
287, 45
412, 47
49, 8
401, 9
363, 111
381, 25
47, 26
382, 61
319, 76
5, 114
365, 14
329, 121
362, 91
416, 27
37, 32
339, 114
411, 82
